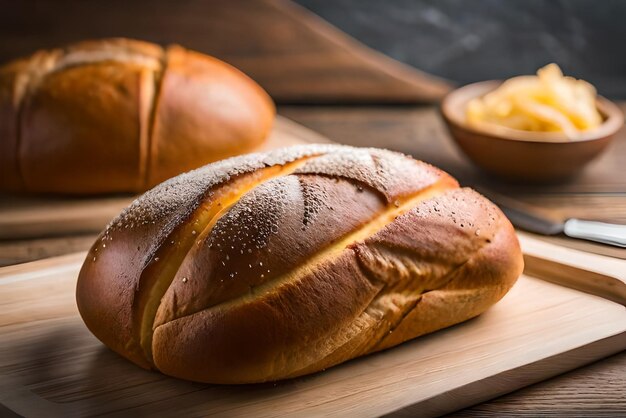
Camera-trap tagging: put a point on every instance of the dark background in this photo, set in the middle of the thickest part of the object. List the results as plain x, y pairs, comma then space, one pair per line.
468, 41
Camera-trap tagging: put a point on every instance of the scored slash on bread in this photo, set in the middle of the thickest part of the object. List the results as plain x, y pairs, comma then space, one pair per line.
275, 265
119, 115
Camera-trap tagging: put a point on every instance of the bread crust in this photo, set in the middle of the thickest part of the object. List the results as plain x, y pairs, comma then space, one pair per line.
231, 114
119, 115
349, 252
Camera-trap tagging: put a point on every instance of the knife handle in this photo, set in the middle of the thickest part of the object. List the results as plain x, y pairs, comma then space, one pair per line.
612, 234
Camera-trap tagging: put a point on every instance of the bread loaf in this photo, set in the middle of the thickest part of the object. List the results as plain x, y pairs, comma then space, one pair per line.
119, 115
274, 265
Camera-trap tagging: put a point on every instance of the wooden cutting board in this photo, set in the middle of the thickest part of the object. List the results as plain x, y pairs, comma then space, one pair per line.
50, 365
27, 217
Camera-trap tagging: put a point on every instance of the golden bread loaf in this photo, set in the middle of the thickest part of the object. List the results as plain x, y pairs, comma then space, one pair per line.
274, 265
119, 115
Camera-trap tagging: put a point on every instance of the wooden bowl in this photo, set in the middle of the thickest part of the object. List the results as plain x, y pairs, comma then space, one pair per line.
526, 156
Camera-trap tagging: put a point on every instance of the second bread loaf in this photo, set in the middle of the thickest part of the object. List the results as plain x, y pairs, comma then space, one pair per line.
119, 115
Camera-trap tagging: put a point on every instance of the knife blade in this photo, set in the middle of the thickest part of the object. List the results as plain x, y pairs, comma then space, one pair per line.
606, 233
532, 222
536, 220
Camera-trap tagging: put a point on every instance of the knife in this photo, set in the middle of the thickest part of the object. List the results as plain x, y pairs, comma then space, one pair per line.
606, 233
525, 217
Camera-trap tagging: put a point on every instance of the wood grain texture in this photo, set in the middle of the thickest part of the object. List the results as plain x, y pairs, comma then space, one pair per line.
51, 365
295, 55
596, 390
604, 277
23, 250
